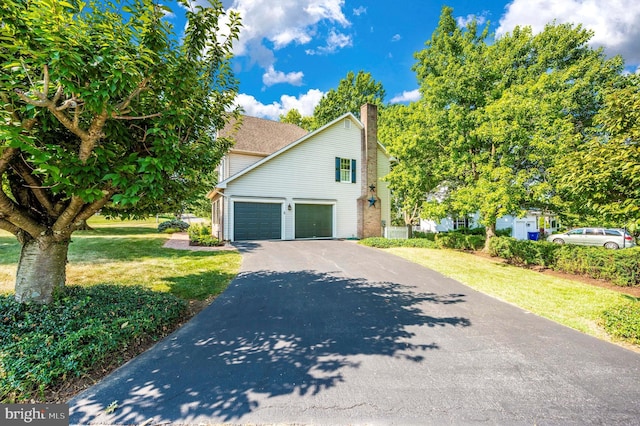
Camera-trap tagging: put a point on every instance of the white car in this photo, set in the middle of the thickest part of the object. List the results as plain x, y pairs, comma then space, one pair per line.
611, 238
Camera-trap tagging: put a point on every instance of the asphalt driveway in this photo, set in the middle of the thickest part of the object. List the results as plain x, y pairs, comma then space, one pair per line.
330, 332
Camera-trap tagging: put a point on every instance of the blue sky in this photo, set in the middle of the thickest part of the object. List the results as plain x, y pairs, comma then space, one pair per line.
291, 52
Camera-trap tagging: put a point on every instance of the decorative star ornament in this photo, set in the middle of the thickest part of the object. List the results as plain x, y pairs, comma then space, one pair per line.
372, 201
372, 187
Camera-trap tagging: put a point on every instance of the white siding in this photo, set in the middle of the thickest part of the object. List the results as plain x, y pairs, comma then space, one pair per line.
238, 162
307, 172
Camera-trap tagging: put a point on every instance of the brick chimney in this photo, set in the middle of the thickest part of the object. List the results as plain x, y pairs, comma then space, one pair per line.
369, 211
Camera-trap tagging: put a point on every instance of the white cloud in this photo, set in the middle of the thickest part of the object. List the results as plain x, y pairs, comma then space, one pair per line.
463, 21
360, 11
335, 41
406, 96
396, 37
616, 23
284, 22
272, 77
304, 103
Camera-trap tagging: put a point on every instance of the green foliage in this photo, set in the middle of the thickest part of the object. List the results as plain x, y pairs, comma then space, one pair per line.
381, 242
621, 267
353, 91
293, 116
494, 117
506, 232
401, 128
623, 322
459, 241
431, 236
599, 179
525, 252
471, 231
104, 108
176, 224
41, 345
200, 235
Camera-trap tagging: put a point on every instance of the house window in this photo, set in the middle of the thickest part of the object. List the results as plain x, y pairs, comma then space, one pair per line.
345, 170
460, 222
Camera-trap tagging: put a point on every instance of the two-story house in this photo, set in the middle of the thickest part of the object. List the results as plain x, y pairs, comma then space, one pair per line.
280, 182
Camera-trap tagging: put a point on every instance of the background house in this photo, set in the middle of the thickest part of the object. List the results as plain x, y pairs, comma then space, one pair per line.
279, 182
532, 221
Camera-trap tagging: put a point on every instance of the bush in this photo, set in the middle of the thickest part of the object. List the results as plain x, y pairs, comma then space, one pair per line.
506, 232
40, 345
470, 231
200, 235
459, 241
621, 267
380, 242
431, 236
524, 252
173, 224
623, 322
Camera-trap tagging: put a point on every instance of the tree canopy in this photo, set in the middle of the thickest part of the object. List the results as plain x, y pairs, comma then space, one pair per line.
102, 104
494, 117
352, 92
293, 116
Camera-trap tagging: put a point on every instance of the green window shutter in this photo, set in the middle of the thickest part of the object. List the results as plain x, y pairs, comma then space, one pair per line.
337, 169
353, 171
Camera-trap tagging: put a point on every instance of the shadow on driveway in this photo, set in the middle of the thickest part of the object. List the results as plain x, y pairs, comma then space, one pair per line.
270, 334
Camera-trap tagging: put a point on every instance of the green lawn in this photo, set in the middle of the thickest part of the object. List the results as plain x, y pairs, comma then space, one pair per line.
572, 303
131, 253
124, 291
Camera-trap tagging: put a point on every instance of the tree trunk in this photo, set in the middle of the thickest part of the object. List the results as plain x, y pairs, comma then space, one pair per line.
84, 226
41, 270
490, 233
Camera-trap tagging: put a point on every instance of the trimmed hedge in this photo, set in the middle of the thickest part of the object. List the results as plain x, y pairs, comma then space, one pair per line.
458, 241
621, 267
380, 242
452, 240
173, 224
524, 252
431, 236
623, 322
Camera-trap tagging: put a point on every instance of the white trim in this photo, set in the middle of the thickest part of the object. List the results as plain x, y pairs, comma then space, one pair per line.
334, 219
241, 199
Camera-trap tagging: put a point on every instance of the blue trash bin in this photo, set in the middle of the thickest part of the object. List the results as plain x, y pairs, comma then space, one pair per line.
533, 236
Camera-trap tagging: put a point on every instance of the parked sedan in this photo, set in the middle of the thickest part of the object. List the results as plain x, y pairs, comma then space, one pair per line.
602, 237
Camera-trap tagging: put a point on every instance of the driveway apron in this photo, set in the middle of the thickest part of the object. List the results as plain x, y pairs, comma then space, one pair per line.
331, 332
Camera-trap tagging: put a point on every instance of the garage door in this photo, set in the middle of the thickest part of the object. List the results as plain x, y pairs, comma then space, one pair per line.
257, 221
314, 221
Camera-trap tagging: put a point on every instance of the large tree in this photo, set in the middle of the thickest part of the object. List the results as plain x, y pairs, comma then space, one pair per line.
413, 174
352, 92
495, 115
599, 178
102, 104
293, 116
